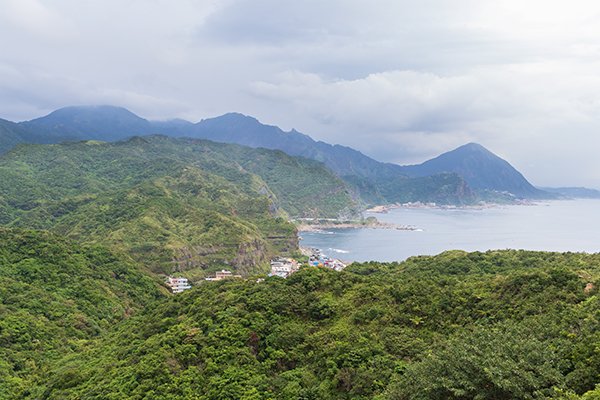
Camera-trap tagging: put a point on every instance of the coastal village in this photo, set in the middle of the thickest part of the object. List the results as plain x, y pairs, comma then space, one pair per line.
282, 267
318, 259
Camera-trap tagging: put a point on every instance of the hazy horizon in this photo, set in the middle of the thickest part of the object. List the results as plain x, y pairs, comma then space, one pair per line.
398, 81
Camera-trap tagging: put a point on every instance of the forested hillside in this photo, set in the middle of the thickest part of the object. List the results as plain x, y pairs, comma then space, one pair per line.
495, 325
55, 298
169, 203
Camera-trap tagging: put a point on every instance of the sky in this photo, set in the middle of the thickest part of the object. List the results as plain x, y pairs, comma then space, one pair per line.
401, 81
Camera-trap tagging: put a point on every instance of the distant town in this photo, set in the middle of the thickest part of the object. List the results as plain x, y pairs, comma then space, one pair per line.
282, 267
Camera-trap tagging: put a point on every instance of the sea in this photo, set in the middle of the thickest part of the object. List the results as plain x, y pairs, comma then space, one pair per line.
562, 225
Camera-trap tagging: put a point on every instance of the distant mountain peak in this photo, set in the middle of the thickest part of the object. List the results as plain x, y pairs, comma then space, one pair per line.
235, 114
234, 121
472, 147
102, 122
481, 168
93, 107
103, 108
88, 113
234, 117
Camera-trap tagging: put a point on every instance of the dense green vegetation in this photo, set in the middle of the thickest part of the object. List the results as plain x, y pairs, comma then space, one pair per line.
56, 298
169, 203
435, 188
501, 325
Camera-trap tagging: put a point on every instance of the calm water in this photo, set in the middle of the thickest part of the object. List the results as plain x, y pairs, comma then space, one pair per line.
572, 225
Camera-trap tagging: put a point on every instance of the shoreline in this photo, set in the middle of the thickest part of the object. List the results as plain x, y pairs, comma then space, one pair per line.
353, 225
385, 208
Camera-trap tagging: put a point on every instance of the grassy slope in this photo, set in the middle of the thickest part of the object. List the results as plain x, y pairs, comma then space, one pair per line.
503, 325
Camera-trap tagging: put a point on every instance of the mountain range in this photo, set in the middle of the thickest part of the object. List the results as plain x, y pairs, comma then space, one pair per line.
462, 176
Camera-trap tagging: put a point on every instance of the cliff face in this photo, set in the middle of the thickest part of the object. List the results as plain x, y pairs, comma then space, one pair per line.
252, 256
248, 257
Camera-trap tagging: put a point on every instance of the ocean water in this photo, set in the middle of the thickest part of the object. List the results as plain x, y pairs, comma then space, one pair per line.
567, 225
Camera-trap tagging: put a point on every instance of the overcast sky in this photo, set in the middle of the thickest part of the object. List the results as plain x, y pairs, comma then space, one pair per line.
399, 80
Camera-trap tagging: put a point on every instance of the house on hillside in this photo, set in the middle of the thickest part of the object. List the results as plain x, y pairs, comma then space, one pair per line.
223, 274
283, 267
178, 285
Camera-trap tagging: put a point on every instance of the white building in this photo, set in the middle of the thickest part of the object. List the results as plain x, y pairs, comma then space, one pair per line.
178, 285
223, 274
283, 267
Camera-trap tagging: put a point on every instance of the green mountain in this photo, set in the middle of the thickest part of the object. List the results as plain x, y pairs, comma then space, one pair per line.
171, 204
109, 123
461, 176
11, 134
105, 123
481, 169
248, 131
495, 325
376, 182
55, 298
484, 172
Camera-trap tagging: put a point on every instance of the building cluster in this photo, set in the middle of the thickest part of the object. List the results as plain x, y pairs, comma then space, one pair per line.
283, 267
318, 259
178, 284
222, 274
280, 266
418, 204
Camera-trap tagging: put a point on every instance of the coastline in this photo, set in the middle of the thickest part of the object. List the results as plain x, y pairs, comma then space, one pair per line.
319, 227
385, 208
321, 224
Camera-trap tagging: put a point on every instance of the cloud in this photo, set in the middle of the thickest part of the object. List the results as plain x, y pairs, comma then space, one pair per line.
397, 79
513, 109
35, 18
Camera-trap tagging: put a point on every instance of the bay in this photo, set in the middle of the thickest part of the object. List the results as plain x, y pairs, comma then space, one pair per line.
566, 225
